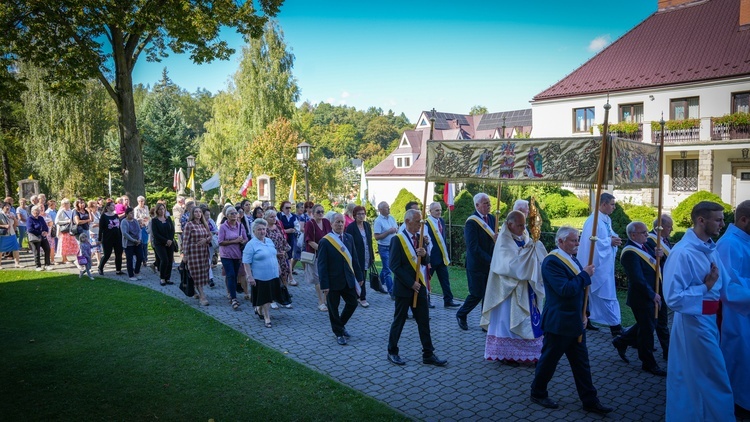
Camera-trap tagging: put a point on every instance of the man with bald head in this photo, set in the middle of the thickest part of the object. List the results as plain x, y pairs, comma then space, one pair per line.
513, 301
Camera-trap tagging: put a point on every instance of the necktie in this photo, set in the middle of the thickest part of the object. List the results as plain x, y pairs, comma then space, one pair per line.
580, 267
440, 226
414, 240
487, 220
341, 236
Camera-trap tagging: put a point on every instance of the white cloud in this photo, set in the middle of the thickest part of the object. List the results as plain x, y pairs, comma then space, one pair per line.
342, 102
597, 44
345, 94
331, 100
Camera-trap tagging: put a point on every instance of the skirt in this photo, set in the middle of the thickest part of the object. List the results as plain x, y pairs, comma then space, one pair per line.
8, 243
266, 291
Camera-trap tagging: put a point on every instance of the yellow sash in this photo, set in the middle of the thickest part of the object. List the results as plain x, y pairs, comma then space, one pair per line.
412, 255
335, 242
573, 267
483, 225
666, 249
440, 242
651, 261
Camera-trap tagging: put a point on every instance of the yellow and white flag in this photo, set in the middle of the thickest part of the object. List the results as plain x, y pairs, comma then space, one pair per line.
293, 187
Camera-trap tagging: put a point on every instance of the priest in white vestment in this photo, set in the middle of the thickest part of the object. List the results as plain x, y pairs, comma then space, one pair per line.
514, 297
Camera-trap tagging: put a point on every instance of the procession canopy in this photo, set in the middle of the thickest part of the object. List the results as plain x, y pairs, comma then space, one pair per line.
572, 161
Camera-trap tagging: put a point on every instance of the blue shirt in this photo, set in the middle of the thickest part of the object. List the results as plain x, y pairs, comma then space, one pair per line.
261, 256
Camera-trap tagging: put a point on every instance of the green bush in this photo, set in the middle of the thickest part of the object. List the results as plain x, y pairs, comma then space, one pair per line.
403, 198
555, 206
465, 207
326, 203
576, 207
681, 214
166, 194
642, 213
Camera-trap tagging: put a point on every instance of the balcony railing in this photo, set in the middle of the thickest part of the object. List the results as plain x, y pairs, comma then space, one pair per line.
725, 132
677, 136
633, 136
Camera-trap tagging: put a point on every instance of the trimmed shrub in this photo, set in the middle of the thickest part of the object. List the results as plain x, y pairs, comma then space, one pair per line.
555, 206
576, 207
166, 194
681, 214
403, 198
642, 213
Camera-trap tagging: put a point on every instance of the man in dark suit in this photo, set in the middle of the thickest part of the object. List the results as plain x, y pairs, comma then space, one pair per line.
340, 275
404, 250
639, 262
439, 259
662, 321
565, 281
479, 234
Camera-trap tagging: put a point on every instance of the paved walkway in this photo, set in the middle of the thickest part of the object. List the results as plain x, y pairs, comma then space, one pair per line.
468, 388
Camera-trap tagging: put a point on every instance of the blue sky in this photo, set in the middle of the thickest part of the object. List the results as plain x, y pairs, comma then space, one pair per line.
410, 56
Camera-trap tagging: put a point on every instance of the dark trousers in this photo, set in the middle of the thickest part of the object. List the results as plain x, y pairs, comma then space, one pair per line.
108, 246
421, 316
553, 348
477, 282
662, 328
363, 293
163, 261
131, 252
37, 246
231, 269
445, 283
641, 335
338, 321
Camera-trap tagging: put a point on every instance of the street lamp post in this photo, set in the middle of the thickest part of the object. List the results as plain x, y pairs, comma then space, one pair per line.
303, 156
191, 169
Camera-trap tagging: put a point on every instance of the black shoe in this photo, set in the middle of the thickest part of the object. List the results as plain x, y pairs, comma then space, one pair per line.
211, 283
546, 402
511, 363
346, 334
656, 371
101, 271
396, 360
341, 340
239, 289
119, 273
616, 330
621, 350
430, 305
598, 408
452, 305
434, 360
170, 282
591, 327
462, 323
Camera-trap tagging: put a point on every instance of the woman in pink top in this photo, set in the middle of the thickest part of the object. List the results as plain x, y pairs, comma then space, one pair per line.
232, 237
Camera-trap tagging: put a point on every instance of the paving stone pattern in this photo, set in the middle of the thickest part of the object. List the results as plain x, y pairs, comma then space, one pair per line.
468, 388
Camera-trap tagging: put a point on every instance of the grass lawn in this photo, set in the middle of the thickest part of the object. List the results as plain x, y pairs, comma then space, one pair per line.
576, 222
104, 350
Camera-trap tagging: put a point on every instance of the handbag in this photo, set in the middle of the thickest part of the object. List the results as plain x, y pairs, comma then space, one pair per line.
82, 260
285, 298
215, 242
307, 257
186, 282
375, 283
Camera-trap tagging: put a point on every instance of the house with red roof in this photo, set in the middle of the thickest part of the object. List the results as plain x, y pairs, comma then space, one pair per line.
688, 63
405, 166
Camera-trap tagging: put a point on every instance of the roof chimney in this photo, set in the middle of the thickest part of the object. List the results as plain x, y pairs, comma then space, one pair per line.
667, 4
744, 13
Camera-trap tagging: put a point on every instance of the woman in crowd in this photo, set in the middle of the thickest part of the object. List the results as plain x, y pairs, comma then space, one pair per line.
110, 238
245, 211
315, 230
262, 269
67, 245
49, 215
142, 216
94, 230
288, 222
302, 218
258, 212
196, 238
362, 234
37, 231
232, 237
8, 239
349, 214
22, 215
214, 229
81, 218
282, 247
131, 242
162, 233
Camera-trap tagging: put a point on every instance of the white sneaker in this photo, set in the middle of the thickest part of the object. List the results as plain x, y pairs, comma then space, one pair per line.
39, 269
289, 306
132, 279
48, 268
138, 277
274, 305
91, 277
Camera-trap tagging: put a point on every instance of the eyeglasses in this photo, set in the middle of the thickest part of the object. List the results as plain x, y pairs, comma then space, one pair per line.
360, 213
319, 212
642, 232
287, 208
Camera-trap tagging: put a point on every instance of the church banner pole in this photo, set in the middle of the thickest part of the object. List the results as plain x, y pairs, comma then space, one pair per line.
658, 227
423, 219
497, 208
599, 183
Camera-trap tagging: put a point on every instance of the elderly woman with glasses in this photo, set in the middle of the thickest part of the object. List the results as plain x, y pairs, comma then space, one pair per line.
262, 269
361, 231
315, 230
282, 247
67, 244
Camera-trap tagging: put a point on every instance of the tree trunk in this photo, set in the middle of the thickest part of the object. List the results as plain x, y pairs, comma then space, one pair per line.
131, 151
6, 173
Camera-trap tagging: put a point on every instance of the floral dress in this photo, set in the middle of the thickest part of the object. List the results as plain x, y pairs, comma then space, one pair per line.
279, 241
196, 255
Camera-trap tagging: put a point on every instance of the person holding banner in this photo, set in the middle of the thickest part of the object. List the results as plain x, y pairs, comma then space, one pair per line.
662, 321
404, 250
565, 281
639, 261
439, 259
603, 304
340, 276
479, 233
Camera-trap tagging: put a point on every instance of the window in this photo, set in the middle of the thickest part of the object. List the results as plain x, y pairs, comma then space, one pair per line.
631, 113
684, 108
741, 102
403, 162
583, 119
685, 175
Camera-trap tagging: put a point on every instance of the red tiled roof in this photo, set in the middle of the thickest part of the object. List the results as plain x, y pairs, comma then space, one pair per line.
695, 42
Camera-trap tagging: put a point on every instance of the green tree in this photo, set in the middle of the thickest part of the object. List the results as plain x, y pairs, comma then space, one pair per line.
224, 140
12, 125
381, 132
477, 110
79, 40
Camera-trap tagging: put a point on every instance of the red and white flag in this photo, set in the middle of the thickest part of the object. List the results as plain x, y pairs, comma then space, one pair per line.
175, 180
449, 193
247, 185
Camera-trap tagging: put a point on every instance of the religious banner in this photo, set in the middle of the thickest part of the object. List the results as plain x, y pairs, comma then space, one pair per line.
573, 161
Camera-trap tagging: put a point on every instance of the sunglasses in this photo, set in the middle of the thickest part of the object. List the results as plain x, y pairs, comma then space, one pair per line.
287, 208
319, 212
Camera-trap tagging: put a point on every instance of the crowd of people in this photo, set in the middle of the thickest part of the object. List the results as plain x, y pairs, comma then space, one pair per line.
532, 300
